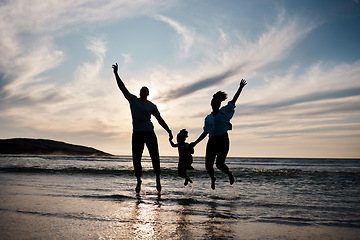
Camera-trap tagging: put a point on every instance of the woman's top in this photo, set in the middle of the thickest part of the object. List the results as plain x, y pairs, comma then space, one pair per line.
220, 123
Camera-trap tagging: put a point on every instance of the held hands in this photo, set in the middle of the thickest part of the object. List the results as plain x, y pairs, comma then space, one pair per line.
115, 67
171, 140
243, 83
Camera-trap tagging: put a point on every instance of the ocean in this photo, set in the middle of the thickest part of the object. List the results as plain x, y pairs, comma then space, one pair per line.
75, 197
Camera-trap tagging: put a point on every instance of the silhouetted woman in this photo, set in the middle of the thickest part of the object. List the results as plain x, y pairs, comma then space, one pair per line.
216, 125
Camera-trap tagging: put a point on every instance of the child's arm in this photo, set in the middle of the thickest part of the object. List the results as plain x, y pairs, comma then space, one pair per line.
172, 143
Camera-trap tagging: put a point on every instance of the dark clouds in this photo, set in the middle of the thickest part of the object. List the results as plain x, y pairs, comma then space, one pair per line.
199, 84
8, 102
310, 98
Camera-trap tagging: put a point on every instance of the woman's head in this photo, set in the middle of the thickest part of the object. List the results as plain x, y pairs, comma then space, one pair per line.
217, 99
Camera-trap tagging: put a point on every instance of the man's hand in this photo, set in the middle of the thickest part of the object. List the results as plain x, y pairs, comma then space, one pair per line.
115, 67
243, 83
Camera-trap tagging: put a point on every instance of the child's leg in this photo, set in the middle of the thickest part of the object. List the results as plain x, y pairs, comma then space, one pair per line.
182, 173
189, 179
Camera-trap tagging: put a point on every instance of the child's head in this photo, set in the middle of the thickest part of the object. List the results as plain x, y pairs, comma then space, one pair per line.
182, 135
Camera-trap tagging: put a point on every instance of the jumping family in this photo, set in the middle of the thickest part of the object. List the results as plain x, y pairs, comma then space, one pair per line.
216, 125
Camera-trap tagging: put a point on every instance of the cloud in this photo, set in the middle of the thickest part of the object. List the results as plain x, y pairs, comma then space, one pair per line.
27, 45
319, 82
89, 72
243, 57
22, 81
84, 105
28, 96
311, 97
186, 35
50, 16
127, 59
272, 107
317, 106
28, 31
200, 84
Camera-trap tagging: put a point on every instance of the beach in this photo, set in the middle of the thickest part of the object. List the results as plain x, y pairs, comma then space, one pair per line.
62, 197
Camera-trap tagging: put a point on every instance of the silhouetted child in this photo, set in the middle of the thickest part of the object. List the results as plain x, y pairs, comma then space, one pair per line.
185, 157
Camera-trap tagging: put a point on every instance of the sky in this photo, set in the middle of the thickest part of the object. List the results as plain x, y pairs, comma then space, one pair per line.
301, 60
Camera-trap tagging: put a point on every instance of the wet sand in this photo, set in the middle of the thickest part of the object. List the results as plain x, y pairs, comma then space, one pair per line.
35, 213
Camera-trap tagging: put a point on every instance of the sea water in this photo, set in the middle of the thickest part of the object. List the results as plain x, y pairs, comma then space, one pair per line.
74, 197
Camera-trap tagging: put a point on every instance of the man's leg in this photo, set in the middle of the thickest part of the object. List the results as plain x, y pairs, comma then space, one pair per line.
152, 145
137, 150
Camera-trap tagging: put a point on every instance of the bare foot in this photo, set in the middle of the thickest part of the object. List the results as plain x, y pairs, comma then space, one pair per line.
213, 183
158, 185
231, 178
138, 186
186, 182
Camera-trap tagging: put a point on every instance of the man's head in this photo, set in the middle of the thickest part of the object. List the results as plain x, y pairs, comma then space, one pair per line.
144, 92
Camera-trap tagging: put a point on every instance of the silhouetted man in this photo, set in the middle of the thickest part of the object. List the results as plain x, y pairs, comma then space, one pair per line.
143, 129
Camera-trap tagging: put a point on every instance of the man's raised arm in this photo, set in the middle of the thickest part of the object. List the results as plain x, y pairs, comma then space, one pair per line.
120, 83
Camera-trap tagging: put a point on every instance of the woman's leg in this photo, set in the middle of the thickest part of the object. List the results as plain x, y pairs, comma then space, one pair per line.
209, 160
223, 150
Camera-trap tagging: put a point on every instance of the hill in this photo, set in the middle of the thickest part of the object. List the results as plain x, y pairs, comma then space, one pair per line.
45, 147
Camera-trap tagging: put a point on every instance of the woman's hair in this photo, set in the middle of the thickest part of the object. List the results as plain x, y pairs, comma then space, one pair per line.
220, 95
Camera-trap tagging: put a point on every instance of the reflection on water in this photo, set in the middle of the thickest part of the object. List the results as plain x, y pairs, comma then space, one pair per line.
184, 222
220, 219
146, 219
157, 218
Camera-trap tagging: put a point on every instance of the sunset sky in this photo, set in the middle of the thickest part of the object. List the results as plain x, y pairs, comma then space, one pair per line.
301, 60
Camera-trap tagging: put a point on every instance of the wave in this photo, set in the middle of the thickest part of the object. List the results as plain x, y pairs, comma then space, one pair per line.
70, 170
244, 173
244, 169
